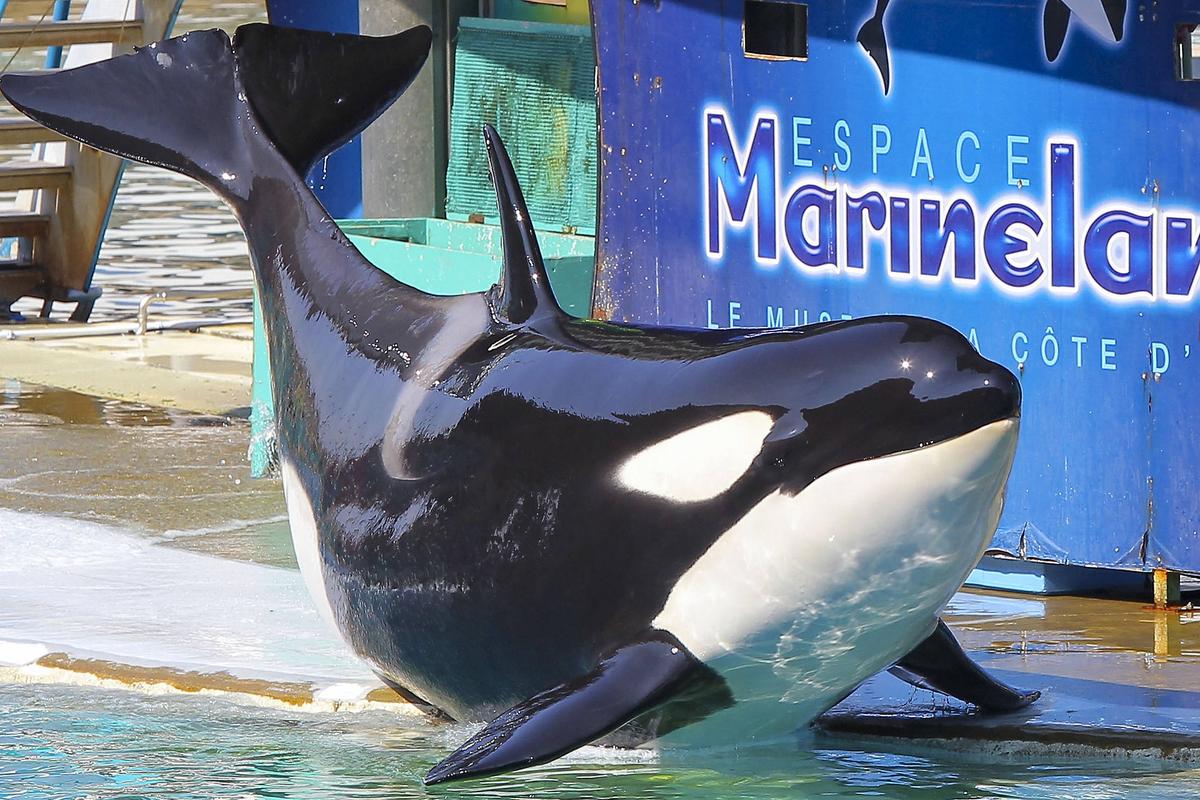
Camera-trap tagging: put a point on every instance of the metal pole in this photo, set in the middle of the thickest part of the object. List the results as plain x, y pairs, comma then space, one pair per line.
62, 10
405, 152
1166, 588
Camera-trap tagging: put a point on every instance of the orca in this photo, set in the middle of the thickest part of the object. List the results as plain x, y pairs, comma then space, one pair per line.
1105, 18
569, 529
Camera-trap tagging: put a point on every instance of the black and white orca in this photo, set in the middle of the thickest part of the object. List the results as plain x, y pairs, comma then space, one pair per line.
1105, 18
569, 529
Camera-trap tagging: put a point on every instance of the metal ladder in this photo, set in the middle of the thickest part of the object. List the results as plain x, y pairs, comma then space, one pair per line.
64, 191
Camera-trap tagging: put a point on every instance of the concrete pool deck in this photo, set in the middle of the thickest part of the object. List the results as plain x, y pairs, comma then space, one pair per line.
207, 371
90, 604
1114, 675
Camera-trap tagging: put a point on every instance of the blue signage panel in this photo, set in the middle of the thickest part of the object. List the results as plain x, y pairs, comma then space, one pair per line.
1026, 172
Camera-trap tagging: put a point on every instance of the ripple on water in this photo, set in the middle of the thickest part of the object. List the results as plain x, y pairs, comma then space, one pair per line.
65, 743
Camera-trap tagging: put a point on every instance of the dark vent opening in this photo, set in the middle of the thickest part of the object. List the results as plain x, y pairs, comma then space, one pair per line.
1187, 48
775, 29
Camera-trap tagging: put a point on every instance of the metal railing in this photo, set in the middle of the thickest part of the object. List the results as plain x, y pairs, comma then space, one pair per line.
143, 315
141, 325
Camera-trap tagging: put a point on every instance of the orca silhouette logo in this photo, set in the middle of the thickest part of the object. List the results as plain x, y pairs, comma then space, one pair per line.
1105, 18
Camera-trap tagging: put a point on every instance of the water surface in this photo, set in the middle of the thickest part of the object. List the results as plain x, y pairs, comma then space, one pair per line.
88, 743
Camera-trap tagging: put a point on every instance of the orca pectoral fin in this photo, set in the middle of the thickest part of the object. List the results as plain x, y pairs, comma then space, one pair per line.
1055, 19
633, 680
1115, 10
940, 664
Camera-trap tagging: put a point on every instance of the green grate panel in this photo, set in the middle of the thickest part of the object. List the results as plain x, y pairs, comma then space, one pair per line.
535, 82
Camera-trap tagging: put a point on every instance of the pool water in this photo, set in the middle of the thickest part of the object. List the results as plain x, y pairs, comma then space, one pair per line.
67, 742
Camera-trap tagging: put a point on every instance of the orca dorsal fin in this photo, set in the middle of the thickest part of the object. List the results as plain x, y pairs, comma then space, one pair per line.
314, 91
524, 291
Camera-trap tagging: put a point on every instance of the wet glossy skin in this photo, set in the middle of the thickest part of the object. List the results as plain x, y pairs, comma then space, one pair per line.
460, 454
500, 521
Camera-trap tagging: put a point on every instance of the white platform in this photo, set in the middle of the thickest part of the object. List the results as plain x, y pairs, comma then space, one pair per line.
93, 591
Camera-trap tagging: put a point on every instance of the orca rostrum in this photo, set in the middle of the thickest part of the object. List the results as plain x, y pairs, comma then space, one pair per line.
571, 530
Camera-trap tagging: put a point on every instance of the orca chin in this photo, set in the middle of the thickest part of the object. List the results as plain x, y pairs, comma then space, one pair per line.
575, 529
860, 561
877, 541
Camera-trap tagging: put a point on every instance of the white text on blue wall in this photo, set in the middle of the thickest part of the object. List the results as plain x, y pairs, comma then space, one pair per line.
1019, 241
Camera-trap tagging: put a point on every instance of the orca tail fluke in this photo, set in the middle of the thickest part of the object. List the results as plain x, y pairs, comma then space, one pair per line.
185, 103
524, 290
940, 664
315, 91
1056, 16
172, 104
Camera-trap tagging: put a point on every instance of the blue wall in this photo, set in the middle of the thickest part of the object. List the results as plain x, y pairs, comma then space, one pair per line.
337, 181
738, 191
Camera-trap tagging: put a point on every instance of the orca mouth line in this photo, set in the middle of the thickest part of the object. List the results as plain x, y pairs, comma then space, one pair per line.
1012, 422
1015, 420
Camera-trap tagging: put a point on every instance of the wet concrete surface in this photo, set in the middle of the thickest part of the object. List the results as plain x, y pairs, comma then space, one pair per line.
1114, 674
207, 371
178, 478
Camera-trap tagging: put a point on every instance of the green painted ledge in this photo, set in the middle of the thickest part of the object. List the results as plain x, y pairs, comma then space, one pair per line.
440, 257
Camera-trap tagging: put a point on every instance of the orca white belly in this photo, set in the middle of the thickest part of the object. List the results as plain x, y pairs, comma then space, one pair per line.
809, 595
306, 540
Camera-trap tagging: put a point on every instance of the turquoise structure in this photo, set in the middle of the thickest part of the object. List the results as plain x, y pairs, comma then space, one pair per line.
535, 82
